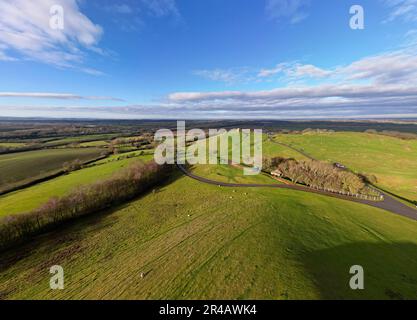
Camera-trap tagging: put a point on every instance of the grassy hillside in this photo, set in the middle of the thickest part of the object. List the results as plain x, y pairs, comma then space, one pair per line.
30, 198
391, 160
13, 145
230, 174
193, 240
82, 138
270, 149
24, 166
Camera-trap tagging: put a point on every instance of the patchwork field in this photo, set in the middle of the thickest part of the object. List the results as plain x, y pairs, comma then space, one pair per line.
189, 240
192, 240
30, 198
393, 161
25, 166
13, 145
82, 138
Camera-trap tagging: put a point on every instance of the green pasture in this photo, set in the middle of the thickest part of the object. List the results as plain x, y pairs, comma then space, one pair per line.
25, 166
191, 240
393, 161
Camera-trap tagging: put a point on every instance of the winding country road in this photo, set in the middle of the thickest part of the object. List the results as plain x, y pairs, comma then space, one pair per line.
389, 203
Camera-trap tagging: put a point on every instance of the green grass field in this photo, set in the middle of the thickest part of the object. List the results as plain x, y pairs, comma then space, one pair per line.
270, 149
30, 198
230, 174
12, 145
193, 240
24, 166
81, 139
393, 161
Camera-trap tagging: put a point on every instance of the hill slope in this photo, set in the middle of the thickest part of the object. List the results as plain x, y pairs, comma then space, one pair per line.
391, 160
21, 167
30, 198
193, 240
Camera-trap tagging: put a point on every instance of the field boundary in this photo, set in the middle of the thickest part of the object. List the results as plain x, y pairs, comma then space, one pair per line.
51, 176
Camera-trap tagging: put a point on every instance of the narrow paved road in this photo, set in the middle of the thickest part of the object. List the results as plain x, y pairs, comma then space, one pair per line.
389, 203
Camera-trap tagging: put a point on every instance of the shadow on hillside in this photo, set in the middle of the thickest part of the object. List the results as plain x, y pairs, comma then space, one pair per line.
390, 270
68, 233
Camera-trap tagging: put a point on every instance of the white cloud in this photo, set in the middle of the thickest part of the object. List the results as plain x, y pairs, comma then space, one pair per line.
293, 10
228, 76
25, 33
273, 71
122, 8
161, 8
59, 96
320, 101
381, 84
306, 92
294, 70
402, 9
131, 16
339, 101
395, 67
308, 70
410, 39
375, 85
296, 108
390, 67
4, 57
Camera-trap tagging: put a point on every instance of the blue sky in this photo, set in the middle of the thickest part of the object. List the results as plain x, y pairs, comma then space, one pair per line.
284, 59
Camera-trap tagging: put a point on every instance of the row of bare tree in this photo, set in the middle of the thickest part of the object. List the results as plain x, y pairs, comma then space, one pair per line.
74, 165
318, 174
85, 200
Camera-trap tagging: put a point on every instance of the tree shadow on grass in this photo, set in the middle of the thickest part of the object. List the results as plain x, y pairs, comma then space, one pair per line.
390, 270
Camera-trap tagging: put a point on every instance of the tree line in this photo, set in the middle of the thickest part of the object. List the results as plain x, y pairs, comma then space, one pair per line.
318, 174
125, 185
394, 134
